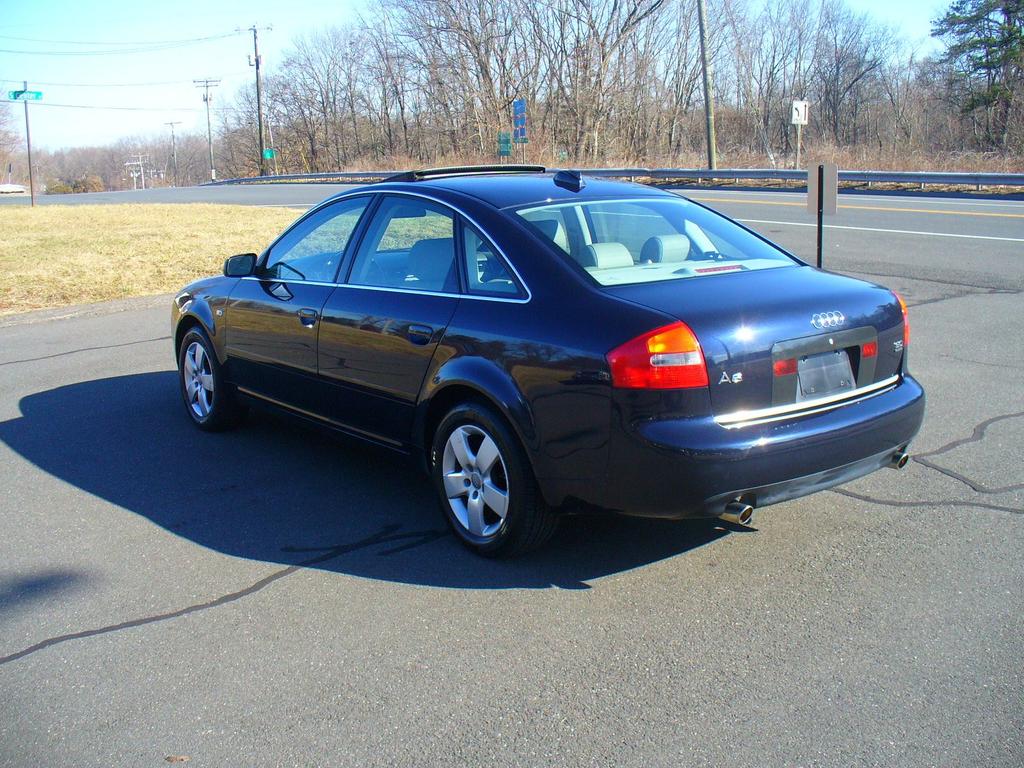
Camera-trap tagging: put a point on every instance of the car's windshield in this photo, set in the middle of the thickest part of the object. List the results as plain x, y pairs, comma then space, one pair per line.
648, 240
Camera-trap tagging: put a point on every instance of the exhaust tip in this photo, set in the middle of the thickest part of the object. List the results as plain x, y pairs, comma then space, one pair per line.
899, 460
738, 512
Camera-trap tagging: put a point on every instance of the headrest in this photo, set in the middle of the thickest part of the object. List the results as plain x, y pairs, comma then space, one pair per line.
605, 255
430, 262
554, 231
666, 248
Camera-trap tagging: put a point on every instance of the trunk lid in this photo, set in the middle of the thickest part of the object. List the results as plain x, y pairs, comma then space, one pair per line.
746, 322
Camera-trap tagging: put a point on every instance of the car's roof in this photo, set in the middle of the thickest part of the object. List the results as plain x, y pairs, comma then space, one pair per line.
503, 190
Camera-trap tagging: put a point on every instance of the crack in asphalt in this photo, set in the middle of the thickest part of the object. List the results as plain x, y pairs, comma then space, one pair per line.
982, 289
972, 484
388, 533
976, 435
918, 504
83, 349
990, 292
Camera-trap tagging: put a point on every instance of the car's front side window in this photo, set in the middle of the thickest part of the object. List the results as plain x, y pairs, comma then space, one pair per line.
313, 249
410, 244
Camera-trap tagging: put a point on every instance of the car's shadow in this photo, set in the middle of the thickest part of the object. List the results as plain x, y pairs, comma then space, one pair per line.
278, 492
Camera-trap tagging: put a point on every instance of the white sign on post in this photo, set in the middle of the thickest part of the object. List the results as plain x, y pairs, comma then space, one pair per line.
799, 115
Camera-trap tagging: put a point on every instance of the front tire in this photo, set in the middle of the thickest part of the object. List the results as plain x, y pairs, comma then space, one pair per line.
210, 400
485, 484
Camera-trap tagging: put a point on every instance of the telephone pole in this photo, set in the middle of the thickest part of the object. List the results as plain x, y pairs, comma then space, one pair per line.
255, 61
709, 98
174, 152
206, 84
138, 163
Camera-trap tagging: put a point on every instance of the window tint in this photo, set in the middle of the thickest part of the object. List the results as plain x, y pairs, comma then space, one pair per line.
486, 272
551, 223
409, 244
313, 249
651, 240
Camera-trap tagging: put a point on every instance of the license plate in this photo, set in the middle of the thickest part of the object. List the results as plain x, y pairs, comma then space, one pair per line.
823, 375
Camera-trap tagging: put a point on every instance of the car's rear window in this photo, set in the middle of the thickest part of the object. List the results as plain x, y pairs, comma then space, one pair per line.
650, 240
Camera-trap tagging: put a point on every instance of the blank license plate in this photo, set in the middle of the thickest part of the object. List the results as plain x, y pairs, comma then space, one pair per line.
823, 375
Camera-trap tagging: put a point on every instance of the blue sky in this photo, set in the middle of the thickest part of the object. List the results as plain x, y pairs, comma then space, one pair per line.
169, 93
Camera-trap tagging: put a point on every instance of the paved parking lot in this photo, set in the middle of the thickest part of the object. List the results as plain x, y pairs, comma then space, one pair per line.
272, 597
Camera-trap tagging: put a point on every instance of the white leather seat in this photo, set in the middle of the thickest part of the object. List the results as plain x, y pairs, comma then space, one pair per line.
665, 248
608, 255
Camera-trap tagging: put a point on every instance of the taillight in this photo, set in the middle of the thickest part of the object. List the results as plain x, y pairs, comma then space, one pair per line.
869, 349
665, 358
906, 320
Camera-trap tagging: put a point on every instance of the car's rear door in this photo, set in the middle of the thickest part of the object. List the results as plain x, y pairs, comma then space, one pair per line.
273, 317
381, 327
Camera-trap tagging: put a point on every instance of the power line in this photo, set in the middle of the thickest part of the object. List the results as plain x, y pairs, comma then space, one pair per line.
50, 104
120, 51
113, 85
115, 42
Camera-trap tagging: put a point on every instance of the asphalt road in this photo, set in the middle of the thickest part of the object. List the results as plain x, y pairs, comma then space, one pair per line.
270, 597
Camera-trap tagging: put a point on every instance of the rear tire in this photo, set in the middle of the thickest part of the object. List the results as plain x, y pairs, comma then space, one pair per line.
210, 400
485, 484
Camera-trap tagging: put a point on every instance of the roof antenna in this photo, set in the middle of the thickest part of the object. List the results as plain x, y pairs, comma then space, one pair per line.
571, 180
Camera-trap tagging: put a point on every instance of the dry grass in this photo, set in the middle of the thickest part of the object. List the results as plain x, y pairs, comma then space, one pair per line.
53, 255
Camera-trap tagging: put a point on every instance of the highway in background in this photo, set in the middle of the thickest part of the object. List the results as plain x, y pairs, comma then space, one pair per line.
975, 243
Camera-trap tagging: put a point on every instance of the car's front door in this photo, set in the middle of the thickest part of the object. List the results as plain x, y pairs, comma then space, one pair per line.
273, 317
380, 329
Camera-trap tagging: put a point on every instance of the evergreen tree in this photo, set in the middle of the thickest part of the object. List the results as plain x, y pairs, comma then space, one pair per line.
985, 55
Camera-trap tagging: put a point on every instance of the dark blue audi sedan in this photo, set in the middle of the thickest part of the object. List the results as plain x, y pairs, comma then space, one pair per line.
548, 343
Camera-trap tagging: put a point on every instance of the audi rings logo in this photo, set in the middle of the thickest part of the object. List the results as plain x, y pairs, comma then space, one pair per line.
824, 320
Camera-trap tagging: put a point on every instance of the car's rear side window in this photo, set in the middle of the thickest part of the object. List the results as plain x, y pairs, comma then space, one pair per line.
410, 243
486, 272
645, 240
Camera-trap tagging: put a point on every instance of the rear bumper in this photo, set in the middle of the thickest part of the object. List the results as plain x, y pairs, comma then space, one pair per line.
692, 467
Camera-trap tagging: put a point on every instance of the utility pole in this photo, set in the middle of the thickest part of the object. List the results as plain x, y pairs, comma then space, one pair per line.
206, 84
709, 98
140, 163
28, 146
255, 61
174, 151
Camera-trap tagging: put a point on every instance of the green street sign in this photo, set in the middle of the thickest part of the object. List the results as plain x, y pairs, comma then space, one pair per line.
504, 144
24, 95
269, 154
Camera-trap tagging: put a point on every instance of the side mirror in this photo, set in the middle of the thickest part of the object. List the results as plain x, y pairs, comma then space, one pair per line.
242, 265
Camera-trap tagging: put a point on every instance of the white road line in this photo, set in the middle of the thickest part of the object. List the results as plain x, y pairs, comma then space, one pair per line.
889, 231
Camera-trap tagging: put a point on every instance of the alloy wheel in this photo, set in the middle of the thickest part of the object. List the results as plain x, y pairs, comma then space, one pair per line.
197, 375
475, 480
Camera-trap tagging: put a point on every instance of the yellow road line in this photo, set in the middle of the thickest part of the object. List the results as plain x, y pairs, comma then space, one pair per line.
861, 207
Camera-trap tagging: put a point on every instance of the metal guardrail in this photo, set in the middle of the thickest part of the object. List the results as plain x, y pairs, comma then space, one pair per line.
921, 178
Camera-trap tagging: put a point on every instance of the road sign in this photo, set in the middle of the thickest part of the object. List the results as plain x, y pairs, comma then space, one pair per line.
822, 196
826, 178
504, 144
24, 95
519, 121
799, 114
269, 153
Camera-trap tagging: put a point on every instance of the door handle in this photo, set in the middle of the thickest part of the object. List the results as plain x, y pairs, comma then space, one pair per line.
419, 334
308, 317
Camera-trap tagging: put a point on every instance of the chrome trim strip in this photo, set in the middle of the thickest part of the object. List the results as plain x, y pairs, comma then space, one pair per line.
387, 289
439, 201
309, 414
763, 415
